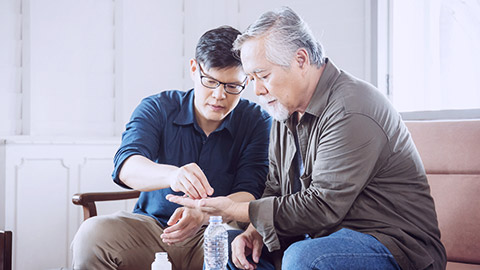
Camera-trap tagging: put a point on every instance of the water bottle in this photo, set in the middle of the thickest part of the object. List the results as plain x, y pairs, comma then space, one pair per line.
215, 245
161, 262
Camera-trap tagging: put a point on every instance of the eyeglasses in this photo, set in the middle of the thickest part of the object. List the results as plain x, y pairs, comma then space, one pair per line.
231, 88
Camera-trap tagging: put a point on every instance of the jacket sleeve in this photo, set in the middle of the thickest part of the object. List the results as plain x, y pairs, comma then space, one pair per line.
345, 159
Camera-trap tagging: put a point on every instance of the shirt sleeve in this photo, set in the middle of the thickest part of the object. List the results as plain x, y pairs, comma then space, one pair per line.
252, 167
141, 136
346, 158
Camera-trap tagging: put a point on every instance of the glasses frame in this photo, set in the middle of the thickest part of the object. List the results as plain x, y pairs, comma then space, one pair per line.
203, 75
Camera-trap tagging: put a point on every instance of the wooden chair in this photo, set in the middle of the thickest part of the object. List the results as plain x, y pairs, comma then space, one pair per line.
87, 200
6, 250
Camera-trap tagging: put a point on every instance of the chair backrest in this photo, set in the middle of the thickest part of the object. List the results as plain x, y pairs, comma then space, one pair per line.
6, 250
450, 152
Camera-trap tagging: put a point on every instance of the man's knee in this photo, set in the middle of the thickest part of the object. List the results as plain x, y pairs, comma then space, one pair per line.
91, 237
294, 257
299, 256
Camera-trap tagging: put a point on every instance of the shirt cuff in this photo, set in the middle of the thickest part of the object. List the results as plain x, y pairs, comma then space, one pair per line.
261, 216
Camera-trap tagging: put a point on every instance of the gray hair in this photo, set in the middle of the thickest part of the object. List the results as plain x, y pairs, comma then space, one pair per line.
285, 32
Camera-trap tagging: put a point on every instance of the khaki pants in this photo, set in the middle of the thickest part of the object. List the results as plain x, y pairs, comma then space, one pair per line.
129, 241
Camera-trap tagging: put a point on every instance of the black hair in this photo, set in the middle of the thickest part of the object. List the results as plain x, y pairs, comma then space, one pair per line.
214, 48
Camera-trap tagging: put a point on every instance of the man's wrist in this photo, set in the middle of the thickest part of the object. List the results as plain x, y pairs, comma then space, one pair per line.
240, 212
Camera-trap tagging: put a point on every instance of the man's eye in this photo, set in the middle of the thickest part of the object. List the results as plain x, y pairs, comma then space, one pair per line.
211, 81
234, 86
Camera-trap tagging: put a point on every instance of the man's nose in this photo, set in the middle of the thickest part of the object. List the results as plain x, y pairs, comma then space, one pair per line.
259, 88
219, 92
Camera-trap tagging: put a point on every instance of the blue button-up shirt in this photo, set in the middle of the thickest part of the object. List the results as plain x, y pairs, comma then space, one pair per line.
163, 129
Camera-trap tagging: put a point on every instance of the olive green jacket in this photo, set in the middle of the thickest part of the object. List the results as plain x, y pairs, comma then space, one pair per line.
362, 172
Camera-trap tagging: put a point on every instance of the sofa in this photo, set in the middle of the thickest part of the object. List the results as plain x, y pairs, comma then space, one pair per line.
450, 152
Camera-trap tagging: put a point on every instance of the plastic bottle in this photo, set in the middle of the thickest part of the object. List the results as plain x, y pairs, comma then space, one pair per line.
215, 245
161, 262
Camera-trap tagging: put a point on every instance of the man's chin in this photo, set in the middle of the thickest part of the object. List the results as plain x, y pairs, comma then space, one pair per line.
279, 116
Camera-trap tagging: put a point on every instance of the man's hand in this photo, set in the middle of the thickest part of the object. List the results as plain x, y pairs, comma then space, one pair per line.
184, 223
191, 180
248, 243
217, 206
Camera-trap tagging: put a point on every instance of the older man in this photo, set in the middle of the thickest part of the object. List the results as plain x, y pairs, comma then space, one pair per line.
346, 187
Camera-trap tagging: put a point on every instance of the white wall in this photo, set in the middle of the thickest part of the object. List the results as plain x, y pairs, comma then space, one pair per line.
79, 68
10, 67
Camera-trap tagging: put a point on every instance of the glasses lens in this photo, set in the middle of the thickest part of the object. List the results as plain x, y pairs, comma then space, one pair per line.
210, 83
233, 88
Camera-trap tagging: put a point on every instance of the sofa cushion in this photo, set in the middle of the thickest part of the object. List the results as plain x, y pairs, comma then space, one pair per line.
448, 146
450, 151
457, 202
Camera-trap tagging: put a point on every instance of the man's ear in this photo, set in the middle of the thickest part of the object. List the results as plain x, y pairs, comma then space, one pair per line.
193, 68
301, 58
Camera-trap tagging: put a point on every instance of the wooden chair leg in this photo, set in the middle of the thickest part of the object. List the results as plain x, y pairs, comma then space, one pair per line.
6, 249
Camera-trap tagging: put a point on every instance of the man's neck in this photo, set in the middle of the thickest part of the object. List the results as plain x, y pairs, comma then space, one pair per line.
312, 78
208, 126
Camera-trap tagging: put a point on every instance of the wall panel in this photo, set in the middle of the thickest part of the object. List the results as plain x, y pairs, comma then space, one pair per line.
70, 67
38, 179
42, 217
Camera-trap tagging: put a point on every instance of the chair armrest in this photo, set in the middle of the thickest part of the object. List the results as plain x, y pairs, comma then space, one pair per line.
87, 200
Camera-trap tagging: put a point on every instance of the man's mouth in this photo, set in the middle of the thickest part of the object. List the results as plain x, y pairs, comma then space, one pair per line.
271, 102
216, 107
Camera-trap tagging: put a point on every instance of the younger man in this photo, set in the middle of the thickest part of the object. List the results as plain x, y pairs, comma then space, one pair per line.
203, 142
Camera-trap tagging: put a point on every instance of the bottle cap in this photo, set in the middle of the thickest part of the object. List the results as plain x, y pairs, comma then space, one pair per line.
161, 255
215, 219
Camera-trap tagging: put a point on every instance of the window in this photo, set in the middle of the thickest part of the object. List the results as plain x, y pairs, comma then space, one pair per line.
435, 55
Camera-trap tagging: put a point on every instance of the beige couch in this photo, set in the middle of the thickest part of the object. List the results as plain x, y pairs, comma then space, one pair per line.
450, 152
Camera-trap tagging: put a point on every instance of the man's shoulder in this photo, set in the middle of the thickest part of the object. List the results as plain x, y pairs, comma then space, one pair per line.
250, 109
165, 100
167, 96
357, 96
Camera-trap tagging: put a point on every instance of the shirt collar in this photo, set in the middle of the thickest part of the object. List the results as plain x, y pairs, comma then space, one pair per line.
322, 92
186, 115
228, 123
